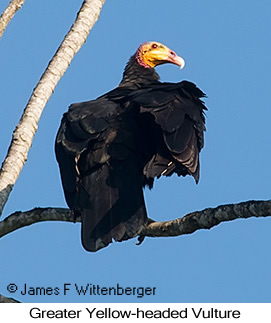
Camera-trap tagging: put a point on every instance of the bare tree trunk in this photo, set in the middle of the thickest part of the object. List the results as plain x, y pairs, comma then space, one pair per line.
25, 130
8, 14
190, 223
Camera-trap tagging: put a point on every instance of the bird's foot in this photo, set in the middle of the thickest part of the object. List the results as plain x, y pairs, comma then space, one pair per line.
76, 215
141, 237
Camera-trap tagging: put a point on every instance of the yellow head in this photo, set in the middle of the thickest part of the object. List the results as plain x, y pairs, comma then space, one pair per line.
151, 54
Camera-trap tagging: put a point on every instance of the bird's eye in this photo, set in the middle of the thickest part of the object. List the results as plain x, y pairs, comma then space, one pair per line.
154, 45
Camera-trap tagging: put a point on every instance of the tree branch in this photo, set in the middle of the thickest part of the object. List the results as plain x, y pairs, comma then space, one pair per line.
19, 220
190, 223
4, 299
27, 127
8, 14
207, 219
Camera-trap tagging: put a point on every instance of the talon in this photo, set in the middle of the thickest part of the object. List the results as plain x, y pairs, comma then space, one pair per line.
140, 240
76, 215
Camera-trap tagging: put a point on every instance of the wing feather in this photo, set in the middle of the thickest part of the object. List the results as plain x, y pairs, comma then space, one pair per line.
100, 175
179, 112
107, 149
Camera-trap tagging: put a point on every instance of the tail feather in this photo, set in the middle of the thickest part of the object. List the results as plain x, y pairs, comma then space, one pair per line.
112, 206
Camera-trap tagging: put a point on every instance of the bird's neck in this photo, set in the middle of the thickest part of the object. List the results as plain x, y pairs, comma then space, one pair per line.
136, 75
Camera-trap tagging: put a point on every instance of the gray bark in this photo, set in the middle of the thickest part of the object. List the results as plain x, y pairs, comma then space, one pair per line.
27, 127
190, 223
205, 219
4, 299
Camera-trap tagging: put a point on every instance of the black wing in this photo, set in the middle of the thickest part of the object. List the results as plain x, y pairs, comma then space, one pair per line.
178, 111
100, 175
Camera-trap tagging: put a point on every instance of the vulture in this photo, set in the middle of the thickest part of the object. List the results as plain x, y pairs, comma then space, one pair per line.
110, 148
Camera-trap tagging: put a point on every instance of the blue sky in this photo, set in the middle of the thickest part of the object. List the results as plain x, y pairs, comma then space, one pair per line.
226, 46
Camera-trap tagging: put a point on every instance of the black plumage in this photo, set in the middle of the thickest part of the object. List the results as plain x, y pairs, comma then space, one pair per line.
108, 149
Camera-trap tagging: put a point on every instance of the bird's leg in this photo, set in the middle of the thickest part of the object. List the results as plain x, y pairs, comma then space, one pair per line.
142, 237
76, 215
150, 221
